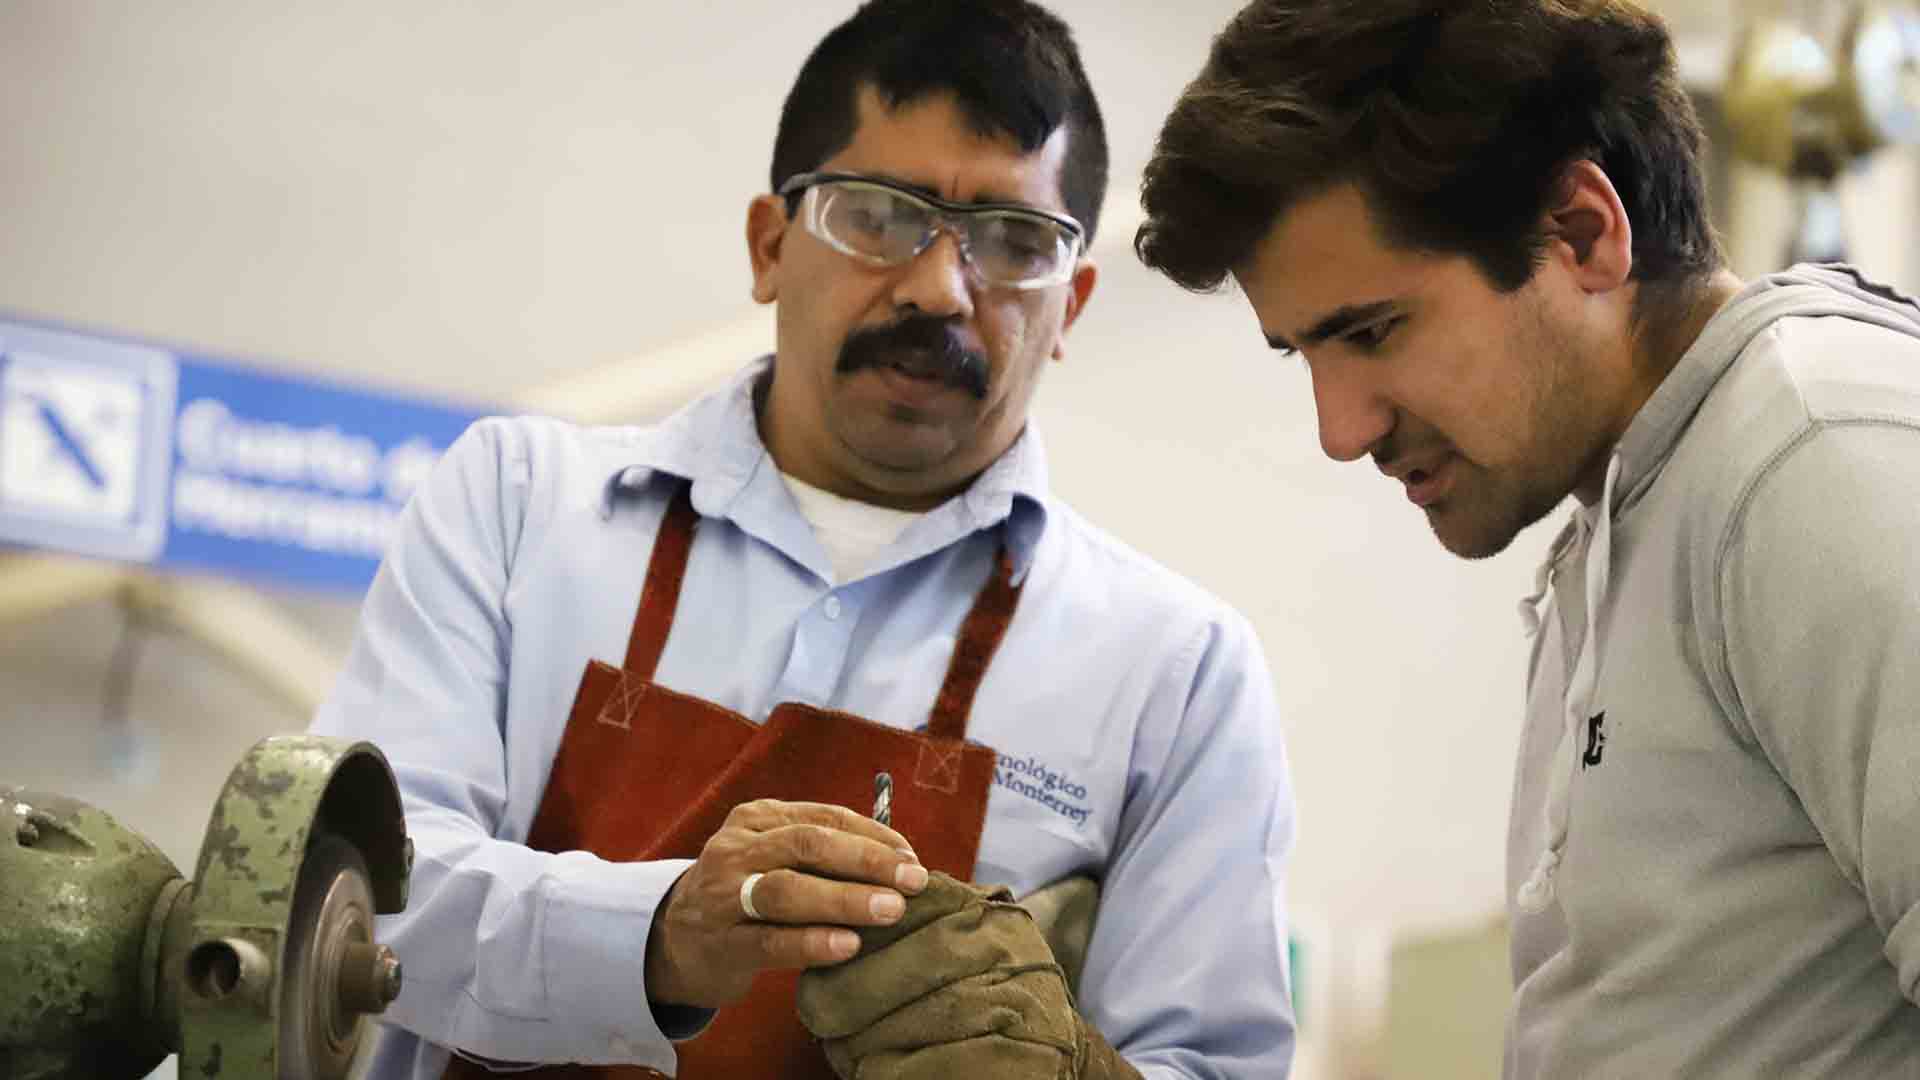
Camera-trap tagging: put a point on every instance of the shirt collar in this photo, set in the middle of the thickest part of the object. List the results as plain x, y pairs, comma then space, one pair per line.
714, 443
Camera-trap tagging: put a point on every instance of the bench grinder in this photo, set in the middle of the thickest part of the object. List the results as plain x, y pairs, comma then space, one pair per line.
263, 966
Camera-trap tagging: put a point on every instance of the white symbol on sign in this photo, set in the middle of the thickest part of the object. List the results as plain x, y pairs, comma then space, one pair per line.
86, 443
71, 443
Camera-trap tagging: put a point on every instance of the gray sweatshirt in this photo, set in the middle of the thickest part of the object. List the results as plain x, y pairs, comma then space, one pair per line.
1714, 851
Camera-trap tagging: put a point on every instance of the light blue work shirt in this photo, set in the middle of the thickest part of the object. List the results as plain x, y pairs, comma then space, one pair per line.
1133, 714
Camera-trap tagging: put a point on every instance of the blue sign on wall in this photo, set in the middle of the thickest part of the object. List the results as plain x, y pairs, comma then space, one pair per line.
129, 452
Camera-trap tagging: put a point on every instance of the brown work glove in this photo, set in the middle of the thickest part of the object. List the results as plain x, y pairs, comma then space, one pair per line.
962, 985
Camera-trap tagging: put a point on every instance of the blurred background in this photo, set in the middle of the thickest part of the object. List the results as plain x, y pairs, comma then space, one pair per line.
341, 230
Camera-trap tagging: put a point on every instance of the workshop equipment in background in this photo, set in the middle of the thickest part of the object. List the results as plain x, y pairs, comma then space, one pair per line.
1815, 89
263, 967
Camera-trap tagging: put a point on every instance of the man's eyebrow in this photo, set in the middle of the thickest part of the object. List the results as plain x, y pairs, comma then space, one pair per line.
1339, 322
983, 197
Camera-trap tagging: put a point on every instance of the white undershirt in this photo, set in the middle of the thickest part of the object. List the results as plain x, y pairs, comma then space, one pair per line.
853, 532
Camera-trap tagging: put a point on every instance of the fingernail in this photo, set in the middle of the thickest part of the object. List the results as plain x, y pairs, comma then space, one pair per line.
911, 877
887, 906
843, 943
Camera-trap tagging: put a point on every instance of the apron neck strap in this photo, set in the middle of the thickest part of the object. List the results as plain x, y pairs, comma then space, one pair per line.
979, 638
660, 598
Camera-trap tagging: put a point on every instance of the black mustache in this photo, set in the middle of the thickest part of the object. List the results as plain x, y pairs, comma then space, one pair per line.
921, 346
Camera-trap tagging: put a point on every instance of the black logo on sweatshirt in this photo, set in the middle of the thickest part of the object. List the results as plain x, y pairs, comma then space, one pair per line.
1596, 741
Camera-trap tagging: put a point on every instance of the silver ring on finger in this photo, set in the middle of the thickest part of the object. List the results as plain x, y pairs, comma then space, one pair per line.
746, 896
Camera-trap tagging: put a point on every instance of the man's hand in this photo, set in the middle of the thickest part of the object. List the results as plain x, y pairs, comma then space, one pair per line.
825, 869
964, 985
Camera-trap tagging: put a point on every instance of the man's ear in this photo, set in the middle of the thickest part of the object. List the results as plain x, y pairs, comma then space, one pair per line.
766, 232
1079, 291
1588, 231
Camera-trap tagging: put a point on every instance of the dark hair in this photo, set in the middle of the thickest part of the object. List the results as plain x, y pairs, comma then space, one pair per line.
1011, 65
1456, 119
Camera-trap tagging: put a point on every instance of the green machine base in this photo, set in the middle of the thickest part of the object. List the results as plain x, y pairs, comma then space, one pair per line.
263, 966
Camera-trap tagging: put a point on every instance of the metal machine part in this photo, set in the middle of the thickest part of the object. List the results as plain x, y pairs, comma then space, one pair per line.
1807, 109
334, 972
1808, 96
1787, 104
1882, 64
265, 965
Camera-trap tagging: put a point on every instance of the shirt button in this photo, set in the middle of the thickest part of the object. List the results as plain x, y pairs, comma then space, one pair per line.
832, 607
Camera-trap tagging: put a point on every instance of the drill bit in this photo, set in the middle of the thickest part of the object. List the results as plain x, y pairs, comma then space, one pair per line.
883, 798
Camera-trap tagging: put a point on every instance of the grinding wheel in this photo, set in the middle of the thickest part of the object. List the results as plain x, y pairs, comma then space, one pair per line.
329, 955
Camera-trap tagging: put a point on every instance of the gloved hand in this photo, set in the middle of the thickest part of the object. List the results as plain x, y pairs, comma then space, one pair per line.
962, 985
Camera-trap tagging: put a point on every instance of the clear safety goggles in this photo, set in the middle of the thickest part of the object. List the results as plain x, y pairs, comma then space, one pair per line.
883, 223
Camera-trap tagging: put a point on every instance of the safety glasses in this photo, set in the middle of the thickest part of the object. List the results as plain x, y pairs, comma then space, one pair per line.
883, 223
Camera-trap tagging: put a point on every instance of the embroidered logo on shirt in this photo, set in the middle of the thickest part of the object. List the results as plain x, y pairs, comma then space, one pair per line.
1034, 780
1596, 741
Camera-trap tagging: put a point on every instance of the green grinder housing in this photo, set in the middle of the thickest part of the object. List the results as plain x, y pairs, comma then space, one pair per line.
263, 966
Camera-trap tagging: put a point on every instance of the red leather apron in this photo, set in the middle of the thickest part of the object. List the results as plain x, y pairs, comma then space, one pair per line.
644, 772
